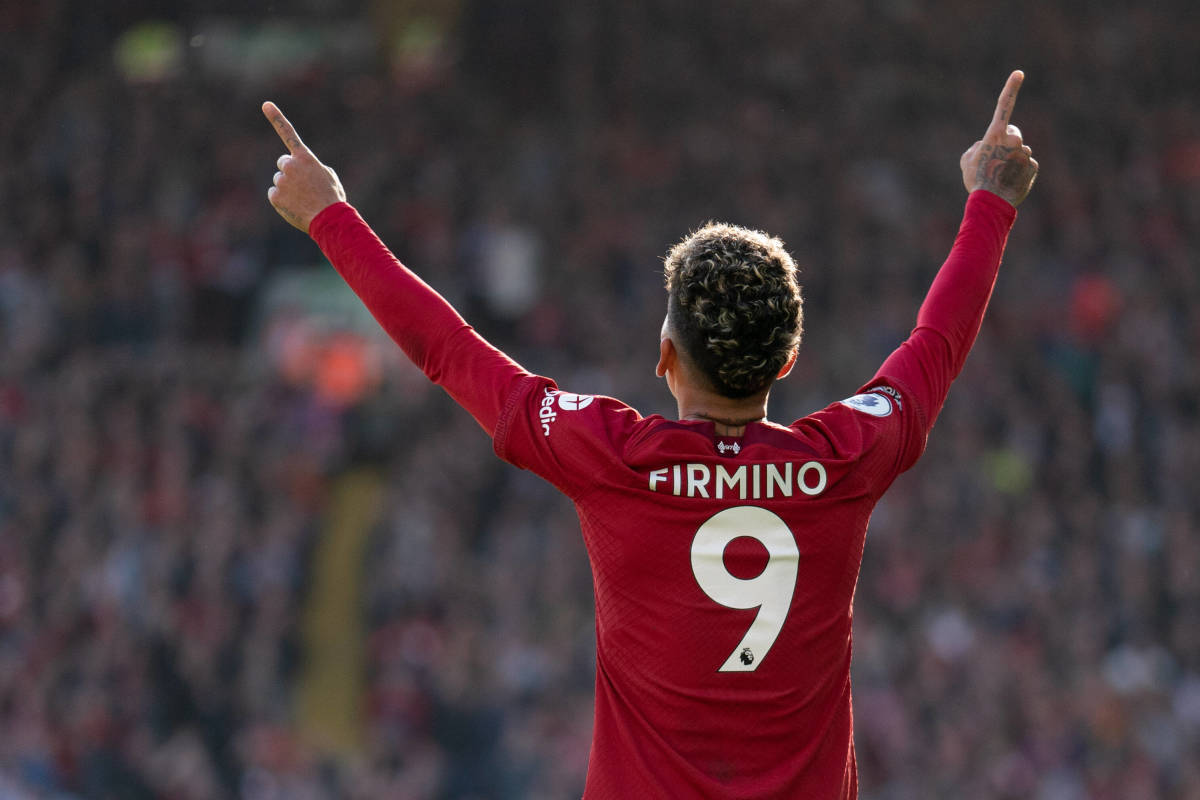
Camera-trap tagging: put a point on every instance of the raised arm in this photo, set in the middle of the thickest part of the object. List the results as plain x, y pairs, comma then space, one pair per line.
998, 171
309, 195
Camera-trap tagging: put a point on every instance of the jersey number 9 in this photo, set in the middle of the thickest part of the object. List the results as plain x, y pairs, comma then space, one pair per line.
770, 591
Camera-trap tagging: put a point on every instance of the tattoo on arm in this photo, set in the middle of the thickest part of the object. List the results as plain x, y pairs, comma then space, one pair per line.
290, 216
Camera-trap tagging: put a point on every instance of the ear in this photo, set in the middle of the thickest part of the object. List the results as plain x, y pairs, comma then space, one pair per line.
667, 357
791, 362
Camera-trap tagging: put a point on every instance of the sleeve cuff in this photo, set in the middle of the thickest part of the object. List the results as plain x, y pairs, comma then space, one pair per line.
986, 199
329, 216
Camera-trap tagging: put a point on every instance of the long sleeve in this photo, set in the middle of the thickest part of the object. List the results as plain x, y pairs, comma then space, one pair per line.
949, 320
428, 329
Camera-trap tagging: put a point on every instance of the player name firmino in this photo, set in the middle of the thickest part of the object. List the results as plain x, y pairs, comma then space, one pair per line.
747, 482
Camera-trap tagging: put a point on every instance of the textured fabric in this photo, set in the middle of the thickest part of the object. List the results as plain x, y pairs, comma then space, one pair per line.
724, 568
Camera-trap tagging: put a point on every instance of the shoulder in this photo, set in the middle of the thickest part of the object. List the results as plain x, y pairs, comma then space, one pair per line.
877, 420
582, 413
551, 430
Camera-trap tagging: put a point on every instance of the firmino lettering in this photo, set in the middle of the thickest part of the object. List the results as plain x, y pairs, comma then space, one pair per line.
745, 482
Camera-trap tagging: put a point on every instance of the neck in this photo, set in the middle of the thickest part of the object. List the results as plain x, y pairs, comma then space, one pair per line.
728, 415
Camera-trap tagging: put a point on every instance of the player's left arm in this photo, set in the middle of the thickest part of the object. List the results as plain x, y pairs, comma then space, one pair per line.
998, 173
309, 195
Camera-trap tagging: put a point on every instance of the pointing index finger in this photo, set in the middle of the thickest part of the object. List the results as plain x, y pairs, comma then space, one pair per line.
284, 128
1004, 106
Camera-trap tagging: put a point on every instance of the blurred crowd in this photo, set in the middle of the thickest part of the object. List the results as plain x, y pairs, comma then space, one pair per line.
1028, 616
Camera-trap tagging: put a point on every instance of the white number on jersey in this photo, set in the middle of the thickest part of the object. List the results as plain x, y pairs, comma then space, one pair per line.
770, 591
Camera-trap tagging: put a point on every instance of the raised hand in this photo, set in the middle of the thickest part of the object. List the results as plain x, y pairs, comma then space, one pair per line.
1001, 162
304, 187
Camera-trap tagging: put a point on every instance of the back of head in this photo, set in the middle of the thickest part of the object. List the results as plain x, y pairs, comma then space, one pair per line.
734, 306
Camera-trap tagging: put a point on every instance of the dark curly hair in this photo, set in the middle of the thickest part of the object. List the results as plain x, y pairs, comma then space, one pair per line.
734, 306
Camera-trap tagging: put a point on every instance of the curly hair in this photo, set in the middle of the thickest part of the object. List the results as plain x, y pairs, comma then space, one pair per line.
734, 305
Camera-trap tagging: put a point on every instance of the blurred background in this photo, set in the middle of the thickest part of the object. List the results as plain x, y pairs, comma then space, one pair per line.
247, 552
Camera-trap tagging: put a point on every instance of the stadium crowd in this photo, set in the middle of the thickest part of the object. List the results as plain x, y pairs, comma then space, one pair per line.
1028, 615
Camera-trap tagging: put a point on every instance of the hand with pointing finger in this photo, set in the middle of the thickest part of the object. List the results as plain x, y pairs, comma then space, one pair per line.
1001, 162
304, 187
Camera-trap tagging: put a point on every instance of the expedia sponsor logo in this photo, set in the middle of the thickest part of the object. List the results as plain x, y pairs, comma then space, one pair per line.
565, 401
574, 402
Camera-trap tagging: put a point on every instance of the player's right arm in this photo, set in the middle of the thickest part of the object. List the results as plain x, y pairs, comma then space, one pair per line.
432, 334
998, 172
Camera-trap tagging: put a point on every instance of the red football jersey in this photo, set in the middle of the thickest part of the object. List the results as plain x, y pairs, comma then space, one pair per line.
724, 568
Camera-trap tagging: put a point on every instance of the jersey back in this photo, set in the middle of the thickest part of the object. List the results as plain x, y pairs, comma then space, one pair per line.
724, 572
